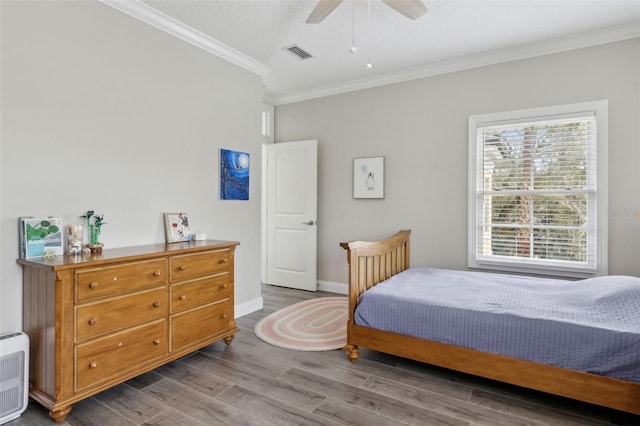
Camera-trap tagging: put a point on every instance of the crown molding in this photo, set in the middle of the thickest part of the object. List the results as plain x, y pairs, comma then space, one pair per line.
610, 35
157, 19
153, 17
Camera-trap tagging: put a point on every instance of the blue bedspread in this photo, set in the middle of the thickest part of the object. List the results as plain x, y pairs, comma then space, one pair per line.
590, 325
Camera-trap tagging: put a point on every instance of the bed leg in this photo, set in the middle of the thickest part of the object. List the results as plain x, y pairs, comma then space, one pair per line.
352, 352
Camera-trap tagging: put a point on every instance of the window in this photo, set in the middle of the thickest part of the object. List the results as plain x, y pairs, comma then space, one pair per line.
267, 124
537, 190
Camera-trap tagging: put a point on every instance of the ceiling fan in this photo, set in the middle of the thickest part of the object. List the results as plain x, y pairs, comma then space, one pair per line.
412, 9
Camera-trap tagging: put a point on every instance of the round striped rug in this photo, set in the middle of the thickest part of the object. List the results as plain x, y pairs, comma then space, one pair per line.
313, 325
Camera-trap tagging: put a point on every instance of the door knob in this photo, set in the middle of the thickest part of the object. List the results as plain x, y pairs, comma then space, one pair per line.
311, 222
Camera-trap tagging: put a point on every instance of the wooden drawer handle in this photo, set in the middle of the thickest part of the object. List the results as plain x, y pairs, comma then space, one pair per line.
183, 297
223, 286
93, 321
224, 316
156, 342
182, 267
223, 261
94, 364
93, 285
156, 304
156, 273
115, 278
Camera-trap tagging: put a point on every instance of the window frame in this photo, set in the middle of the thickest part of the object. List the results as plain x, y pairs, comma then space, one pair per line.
600, 233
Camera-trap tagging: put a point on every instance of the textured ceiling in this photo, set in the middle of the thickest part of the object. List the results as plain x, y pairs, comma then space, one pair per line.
451, 32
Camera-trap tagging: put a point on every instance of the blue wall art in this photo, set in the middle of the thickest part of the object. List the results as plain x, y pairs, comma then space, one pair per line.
234, 175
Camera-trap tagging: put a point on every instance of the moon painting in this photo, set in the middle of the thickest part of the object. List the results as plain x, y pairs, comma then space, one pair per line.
234, 175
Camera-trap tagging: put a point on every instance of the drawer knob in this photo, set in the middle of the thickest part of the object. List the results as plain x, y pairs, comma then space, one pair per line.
156, 304
223, 286
224, 316
156, 273
223, 261
93, 285
94, 364
182, 267
93, 321
156, 342
183, 297
115, 278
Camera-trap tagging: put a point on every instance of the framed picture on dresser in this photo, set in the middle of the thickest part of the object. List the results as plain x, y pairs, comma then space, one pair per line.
176, 227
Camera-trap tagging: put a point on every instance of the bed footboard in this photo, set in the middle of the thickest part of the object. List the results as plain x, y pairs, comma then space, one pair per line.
369, 264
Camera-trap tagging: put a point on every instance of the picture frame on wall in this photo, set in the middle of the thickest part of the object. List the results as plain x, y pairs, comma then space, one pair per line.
176, 227
234, 175
368, 177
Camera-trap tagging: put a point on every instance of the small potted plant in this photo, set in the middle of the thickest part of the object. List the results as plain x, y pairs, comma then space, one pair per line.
94, 223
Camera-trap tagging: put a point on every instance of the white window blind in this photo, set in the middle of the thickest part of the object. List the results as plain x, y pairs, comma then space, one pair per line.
535, 198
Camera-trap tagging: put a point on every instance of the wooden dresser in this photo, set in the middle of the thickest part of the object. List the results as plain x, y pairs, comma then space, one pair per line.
95, 321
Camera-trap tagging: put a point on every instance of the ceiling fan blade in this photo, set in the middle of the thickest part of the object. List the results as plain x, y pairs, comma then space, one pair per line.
412, 9
322, 10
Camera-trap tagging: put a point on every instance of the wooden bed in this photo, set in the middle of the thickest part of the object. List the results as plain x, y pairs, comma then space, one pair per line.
373, 262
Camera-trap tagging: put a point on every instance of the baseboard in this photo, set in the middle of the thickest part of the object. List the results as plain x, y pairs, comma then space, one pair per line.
332, 287
248, 307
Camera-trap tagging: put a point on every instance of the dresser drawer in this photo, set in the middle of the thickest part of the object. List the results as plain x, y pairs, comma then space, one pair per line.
114, 280
199, 265
98, 318
199, 292
115, 355
199, 324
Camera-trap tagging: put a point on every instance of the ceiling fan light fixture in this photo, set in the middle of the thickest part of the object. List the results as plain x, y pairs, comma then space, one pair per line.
369, 65
353, 49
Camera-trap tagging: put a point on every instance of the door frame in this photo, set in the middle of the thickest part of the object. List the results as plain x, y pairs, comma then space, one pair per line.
268, 137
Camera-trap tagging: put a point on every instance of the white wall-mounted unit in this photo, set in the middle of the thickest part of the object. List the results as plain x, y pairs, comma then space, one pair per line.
14, 375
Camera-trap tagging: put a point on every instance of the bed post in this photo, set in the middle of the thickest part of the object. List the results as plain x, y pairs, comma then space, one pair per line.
353, 353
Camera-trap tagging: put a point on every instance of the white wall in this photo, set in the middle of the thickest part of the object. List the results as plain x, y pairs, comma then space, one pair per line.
103, 112
420, 127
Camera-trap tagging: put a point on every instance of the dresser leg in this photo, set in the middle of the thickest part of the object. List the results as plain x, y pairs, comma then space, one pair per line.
60, 415
228, 339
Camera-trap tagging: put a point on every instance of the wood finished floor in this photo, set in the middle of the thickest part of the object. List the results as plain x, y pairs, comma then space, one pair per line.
254, 383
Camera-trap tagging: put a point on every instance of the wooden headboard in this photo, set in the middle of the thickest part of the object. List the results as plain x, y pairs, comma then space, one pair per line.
373, 262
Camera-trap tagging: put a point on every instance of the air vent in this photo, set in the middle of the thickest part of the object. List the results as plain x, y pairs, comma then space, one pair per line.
298, 52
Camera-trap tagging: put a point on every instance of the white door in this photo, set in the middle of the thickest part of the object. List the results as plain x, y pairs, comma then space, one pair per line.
292, 190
